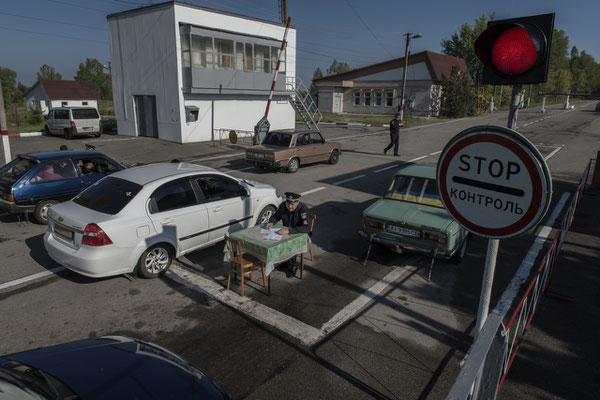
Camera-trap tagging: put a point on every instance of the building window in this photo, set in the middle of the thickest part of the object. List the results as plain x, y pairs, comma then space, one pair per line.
224, 48
367, 98
202, 51
239, 56
185, 49
357, 98
84, 103
64, 103
274, 53
191, 113
378, 97
389, 99
249, 64
262, 58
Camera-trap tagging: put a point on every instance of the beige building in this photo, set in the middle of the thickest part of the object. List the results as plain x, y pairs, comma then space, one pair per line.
376, 89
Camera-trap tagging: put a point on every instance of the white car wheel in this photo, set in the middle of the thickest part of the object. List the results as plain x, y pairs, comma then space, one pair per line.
155, 261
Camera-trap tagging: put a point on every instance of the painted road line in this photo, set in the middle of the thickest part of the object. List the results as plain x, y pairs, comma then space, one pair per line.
312, 191
361, 301
435, 152
386, 168
418, 158
291, 326
216, 157
230, 171
553, 153
349, 179
524, 270
112, 140
31, 277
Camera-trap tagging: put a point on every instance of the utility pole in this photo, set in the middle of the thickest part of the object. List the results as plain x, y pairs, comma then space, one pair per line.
4, 129
283, 10
401, 105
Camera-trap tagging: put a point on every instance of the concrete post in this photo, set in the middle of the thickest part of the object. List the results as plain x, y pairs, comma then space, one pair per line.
543, 104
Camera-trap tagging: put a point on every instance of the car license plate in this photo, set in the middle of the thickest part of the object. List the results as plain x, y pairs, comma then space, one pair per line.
63, 232
88, 128
404, 231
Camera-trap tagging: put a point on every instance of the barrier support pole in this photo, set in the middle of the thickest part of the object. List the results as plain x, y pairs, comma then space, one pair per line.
596, 176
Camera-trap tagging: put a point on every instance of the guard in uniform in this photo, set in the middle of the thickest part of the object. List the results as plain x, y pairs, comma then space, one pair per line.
294, 216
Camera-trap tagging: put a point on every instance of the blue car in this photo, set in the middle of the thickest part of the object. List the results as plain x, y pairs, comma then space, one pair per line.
32, 183
104, 368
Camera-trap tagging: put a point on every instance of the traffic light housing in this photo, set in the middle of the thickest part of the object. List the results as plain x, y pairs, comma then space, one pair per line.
516, 51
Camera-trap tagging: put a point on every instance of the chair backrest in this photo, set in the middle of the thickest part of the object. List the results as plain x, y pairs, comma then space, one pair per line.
312, 217
234, 248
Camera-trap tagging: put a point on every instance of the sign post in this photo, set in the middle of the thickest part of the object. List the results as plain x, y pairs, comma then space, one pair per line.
496, 184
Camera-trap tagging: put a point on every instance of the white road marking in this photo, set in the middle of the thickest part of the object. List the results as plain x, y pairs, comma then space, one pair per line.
386, 168
112, 140
31, 277
298, 329
349, 179
435, 152
522, 273
418, 158
307, 334
216, 157
553, 153
312, 191
230, 171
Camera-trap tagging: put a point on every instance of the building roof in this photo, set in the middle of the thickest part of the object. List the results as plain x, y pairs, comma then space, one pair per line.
173, 3
67, 90
439, 66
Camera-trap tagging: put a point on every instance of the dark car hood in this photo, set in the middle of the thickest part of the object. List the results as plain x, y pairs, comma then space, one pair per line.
120, 368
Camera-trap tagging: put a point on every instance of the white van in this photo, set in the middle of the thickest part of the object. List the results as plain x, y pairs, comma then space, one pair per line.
70, 121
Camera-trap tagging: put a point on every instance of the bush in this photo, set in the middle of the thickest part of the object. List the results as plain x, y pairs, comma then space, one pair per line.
34, 116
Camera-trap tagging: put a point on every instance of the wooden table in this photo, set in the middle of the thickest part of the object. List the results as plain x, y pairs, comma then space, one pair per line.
272, 252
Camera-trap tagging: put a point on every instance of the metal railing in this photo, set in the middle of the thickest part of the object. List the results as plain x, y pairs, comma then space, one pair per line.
474, 379
304, 103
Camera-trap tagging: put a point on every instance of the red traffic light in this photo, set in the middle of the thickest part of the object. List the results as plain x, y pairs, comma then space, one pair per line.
516, 51
513, 52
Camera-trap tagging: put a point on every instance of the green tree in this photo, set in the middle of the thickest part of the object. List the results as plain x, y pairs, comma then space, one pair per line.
458, 98
317, 75
47, 72
8, 77
337, 67
93, 70
461, 44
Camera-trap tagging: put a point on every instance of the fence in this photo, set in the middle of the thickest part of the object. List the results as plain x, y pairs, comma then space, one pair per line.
480, 378
224, 136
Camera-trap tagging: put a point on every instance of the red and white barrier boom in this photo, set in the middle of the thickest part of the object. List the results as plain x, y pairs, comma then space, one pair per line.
262, 127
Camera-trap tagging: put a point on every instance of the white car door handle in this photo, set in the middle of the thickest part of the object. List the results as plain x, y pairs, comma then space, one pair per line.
166, 221
217, 209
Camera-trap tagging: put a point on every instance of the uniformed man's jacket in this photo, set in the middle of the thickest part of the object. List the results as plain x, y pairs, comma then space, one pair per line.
394, 126
296, 221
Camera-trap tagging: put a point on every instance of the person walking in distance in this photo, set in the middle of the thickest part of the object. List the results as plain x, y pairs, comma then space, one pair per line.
394, 135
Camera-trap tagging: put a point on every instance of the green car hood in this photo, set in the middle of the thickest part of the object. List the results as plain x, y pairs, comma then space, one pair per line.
406, 213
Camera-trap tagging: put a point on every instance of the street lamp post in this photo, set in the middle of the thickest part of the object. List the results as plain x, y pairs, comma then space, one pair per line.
409, 36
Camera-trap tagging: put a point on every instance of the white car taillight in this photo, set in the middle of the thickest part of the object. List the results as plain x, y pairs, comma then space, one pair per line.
93, 235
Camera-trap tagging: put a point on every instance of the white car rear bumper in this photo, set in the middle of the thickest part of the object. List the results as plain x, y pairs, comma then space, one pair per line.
95, 262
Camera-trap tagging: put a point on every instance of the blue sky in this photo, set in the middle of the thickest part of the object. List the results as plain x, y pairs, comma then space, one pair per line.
63, 33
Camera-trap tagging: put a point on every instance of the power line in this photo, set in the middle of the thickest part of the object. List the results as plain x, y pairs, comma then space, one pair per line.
53, 34
52, 21
369, 29
79, 6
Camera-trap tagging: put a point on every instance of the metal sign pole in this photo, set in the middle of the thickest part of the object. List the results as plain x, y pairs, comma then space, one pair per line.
493, 244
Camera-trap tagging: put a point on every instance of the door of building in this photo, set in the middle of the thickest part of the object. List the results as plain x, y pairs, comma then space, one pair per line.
145, 116
337, 103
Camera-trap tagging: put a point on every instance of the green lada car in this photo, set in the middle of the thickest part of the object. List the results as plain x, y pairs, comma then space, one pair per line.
411, 217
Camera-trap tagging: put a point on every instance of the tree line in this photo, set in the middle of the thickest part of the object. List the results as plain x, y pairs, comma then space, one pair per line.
462, 95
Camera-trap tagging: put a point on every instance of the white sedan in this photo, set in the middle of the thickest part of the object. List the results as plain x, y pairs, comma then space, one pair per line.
140, 218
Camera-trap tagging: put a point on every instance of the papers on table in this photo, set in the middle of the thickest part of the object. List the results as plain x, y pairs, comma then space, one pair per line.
271, 234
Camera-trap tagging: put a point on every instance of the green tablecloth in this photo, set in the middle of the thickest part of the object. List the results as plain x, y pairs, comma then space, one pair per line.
270, 251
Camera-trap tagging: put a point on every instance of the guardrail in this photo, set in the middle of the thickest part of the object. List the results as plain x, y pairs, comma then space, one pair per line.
224, 136
480, 378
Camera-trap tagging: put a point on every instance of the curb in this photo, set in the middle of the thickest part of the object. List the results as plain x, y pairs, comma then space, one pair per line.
350, 124
26, 134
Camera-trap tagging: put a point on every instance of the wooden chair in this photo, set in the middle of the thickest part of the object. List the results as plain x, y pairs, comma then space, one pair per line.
312, 217
244, 264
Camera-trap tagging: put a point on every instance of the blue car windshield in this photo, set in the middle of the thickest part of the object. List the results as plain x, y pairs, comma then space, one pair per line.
16, 169
415, 190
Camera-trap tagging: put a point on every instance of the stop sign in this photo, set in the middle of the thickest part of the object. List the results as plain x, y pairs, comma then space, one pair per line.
494, 181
